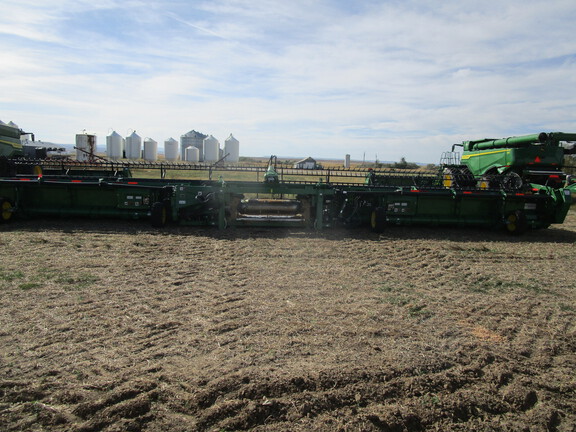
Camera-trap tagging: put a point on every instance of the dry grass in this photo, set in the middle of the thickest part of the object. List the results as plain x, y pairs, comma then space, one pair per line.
112, 326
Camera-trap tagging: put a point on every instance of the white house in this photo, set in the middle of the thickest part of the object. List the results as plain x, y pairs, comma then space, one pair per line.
307, 163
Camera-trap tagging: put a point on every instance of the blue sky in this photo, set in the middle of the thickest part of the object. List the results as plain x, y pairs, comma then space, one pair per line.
319, 78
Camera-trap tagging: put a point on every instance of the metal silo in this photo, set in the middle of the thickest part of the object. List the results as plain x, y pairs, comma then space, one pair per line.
211, 149
150, 149
192, 154
114, 146
232, 149
134, 146
85, 147
171, 150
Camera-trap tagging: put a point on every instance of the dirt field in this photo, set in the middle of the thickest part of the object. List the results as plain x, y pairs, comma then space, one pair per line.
112, 326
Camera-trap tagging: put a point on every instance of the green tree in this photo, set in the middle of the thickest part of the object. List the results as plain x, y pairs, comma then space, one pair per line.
403, 164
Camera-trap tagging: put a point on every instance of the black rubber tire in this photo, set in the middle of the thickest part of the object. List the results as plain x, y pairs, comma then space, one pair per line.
450, 176
378, 219
6, 210
158, 214
512, 182
516, 222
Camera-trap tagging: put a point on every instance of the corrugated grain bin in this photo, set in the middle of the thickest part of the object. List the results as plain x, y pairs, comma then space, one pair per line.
211, 149
232, 149
192, 154
171, 150
134, 146
114, 146
85, 146
150, 150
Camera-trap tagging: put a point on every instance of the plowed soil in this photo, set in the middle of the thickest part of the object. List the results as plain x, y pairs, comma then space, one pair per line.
113, 326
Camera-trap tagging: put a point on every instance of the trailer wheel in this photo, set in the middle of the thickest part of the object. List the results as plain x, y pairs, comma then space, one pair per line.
378, 219
6, 210
516, 223
158, 215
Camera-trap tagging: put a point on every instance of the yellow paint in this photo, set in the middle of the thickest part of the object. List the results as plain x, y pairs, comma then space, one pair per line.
13, 144
468, 156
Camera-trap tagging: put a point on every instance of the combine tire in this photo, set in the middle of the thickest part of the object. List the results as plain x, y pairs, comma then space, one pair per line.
159, 215
516, 223
512, 182
6, 210
378, 220
449, 176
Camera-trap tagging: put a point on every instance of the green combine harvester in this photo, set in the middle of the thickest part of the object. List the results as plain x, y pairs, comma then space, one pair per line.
514, 184
10, 143
511, 162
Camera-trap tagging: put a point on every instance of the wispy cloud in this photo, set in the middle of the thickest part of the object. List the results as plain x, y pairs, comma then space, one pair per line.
291, 78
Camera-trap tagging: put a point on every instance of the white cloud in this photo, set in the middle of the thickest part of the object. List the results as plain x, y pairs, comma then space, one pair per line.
394, 78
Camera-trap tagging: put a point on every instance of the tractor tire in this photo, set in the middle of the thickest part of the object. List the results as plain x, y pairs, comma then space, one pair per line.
378, 219
6, 210
512, 182
516, 222
159, 215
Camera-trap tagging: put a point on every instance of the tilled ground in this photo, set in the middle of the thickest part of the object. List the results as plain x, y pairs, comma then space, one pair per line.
111, 326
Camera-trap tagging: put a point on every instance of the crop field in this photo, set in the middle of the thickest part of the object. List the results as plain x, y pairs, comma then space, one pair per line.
114, 326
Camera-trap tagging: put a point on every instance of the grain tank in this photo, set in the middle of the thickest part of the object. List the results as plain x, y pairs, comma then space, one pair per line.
171, 150
211, 149
232, 149
114, 146
134, 146
150, 150
85, 147
192, 154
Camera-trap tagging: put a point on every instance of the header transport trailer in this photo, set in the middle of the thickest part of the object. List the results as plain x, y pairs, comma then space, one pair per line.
281, 196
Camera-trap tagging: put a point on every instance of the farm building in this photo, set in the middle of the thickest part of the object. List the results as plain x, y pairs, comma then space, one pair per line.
192, 139
307, 163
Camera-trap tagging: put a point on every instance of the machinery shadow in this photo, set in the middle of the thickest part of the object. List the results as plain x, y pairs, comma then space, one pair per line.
75, 226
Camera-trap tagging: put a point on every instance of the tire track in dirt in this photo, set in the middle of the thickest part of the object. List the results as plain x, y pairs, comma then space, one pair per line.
286, 330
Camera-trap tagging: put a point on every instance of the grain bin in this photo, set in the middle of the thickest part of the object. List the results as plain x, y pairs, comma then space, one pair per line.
232, 149
192, 154
134, 146
85, 147
171, 150
150, 149
211, 149
114, 146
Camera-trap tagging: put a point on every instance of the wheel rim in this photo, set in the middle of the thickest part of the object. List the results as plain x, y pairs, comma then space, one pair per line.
447, 179
6, 210
512, 221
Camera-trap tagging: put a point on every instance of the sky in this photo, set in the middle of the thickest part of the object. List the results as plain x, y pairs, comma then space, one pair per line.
323, 78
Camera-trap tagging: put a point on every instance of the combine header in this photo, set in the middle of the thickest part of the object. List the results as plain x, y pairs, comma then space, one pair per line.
514, 183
